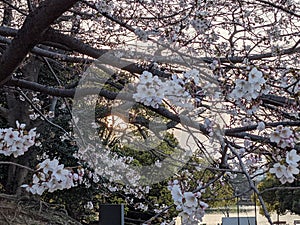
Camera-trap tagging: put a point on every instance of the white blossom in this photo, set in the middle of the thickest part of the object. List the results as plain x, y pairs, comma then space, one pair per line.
177, 194
278, 169
16, 141
283, 137
52, 176
192, 209
261, 126
89, 205
190, 199
292, 158
249, 89
151, 91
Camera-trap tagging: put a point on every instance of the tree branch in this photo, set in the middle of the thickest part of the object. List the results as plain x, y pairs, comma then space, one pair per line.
31, 34
54, 55
59, 92
252, 185
279, 188
254, 127
16, 164
279, 7
80, 47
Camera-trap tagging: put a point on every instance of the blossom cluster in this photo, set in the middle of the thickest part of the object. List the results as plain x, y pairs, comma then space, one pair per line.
143, 35
285, 173
151, 90
108, 164
249, 89
16, 141
201, 24
189, 203
52, 176
104, 7
176, 94
283, 137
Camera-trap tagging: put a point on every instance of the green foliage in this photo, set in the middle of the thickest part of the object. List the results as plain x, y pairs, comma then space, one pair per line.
280, 199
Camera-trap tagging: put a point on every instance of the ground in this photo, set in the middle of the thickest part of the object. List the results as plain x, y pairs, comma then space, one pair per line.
27, 211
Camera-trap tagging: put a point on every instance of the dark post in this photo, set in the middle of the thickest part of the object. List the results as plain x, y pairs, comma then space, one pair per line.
238, 209
237, 205
255, 205
111, 215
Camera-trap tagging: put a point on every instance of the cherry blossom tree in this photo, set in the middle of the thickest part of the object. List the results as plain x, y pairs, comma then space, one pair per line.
126, 95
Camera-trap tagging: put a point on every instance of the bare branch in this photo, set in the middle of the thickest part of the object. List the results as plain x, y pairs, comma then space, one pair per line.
279, 188
16, 164
254, 127
279, 7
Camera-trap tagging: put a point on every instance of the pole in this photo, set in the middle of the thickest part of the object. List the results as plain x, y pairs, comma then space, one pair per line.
238, 209
255, 206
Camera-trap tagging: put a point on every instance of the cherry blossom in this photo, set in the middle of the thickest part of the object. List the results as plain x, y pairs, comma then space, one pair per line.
89, 205
16, 141
190, 199
188, 203
249, 89
177, 194
278, 169
261, 126
292, 158
52, 176
283, 137
286, 173
151, 90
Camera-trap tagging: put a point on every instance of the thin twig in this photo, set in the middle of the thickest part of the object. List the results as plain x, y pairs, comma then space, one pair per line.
16, 164
41, 114
64, 99
279, 188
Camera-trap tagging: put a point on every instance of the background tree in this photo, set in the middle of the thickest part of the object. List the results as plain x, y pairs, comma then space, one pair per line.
282, 200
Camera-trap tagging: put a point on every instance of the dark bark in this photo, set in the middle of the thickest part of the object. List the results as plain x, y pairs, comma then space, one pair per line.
73, 43
19, 110
31, 33
80, 47
7, 14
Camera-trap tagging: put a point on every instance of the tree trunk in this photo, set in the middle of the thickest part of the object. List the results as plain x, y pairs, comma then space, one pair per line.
19, 110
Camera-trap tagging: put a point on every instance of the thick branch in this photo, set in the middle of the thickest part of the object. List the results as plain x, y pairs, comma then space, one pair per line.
184, 120
254, 127
60, 92
31, 34
73, 44
80, 47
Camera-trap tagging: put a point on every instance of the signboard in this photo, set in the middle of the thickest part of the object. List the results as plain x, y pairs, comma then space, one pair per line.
111, 215
238, 220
